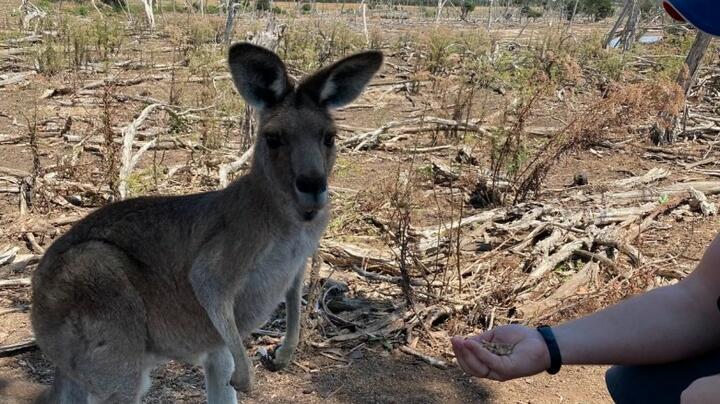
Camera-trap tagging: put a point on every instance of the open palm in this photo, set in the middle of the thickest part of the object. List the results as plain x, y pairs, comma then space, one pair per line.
529, 355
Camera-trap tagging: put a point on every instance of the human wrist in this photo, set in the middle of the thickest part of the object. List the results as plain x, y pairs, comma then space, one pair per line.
563, 337
553, 356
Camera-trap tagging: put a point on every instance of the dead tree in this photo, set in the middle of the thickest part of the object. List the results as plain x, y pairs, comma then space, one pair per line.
232, 6
490, 10
667, 134
688, 73
149, 13
440, 5
630, 15
30, 13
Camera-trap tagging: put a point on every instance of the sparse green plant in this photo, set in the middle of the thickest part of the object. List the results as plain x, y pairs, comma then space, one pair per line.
467, 7
81, 10
48, 58
530, 12
263, 5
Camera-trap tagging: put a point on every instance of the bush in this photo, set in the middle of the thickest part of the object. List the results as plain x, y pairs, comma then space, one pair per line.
306, 8
530, 12
466, 7
262, 5
598, 9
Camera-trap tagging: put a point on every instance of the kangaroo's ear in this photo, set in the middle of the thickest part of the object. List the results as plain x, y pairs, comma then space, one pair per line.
259, 75
340, 83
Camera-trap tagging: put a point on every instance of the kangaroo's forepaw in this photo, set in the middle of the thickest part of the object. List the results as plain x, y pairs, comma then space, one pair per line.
273, 361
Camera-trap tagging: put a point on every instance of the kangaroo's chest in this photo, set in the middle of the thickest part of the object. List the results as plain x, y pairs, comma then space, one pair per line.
271, 276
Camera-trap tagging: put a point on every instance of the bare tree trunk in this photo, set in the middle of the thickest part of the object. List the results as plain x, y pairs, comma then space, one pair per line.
102, 16
230, 20
572, 17
631, 27
689, 71
440, 5
617, 24
365, 28
668, 134
490, 10
149, 13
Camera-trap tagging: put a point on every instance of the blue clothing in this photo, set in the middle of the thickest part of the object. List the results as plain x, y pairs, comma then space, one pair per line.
702, 14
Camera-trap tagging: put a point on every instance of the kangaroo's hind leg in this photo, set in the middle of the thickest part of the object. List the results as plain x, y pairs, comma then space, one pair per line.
218, 368
90, 321
63, 391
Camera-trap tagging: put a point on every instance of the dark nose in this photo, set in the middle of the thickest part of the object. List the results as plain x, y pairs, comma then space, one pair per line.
311, 184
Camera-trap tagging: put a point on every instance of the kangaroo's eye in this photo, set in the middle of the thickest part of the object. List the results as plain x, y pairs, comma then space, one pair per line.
329, 139
274, 140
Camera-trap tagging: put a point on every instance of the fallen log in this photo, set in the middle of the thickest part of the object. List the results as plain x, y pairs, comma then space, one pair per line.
18, 348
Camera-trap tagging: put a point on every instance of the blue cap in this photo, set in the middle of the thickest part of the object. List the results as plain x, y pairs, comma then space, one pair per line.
702, 14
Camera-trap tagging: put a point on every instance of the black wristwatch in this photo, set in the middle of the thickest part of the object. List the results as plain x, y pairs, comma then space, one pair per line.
555, 358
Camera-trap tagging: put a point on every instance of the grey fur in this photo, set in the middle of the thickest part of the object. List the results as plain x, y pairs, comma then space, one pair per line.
187, 277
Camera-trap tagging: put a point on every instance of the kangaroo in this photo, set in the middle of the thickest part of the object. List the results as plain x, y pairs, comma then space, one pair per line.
151, 279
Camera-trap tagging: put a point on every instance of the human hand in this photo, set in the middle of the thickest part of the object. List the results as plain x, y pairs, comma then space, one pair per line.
529, 355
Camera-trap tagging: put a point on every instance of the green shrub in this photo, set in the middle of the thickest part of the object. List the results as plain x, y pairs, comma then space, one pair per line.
263, 5
466, 7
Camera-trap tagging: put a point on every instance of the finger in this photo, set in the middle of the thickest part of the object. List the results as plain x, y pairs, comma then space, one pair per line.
470, 364
488, 358
474, 365
460, 354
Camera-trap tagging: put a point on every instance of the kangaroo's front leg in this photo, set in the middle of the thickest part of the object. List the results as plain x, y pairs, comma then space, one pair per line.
284, 354
215, 294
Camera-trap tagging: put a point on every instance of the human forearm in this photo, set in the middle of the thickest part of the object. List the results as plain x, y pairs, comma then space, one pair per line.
663, 325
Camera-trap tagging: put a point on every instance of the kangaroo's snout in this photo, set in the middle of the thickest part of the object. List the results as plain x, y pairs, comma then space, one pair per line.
312, 191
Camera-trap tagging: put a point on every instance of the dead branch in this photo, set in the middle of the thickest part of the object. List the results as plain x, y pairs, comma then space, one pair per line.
33, 243
128, 160
18, 348
227, 169
428, 359
122, 83
15, 282
14, 172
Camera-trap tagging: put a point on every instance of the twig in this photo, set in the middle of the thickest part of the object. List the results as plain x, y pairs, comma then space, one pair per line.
15, 282
429, 359
30, 237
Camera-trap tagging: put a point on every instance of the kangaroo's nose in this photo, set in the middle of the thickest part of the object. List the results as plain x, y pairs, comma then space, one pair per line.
311, 185
312, 190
